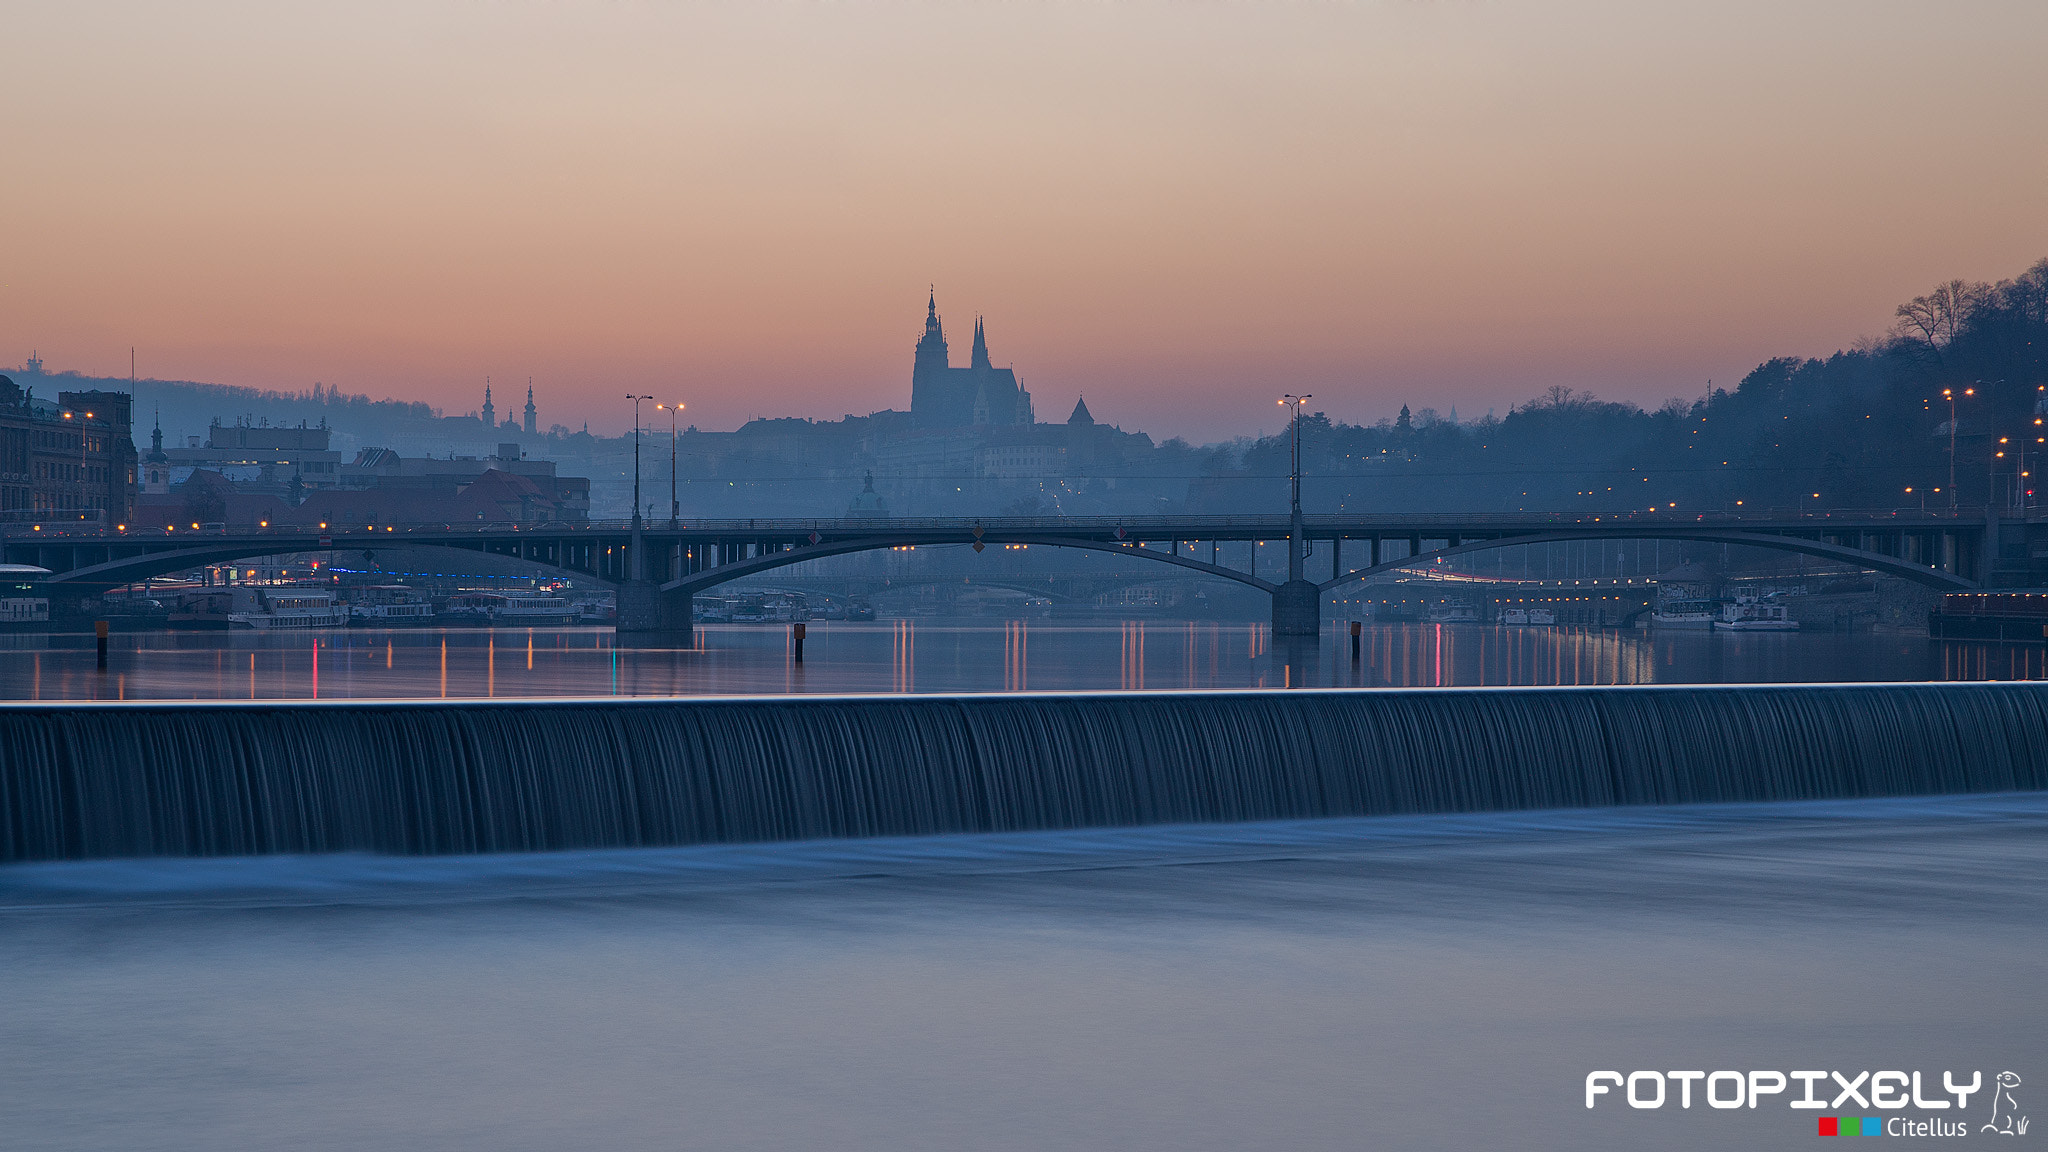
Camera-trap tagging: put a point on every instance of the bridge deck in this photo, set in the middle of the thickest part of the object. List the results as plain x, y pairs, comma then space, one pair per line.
1937, 549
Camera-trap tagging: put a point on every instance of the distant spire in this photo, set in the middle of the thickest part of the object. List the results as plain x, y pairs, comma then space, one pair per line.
156, 456
980, 346
931, 312
1081, 417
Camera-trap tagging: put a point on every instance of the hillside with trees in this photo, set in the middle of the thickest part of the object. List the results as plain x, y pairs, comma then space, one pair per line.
1858, 428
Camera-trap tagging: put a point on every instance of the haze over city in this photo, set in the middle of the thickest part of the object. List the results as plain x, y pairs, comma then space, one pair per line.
1154, 575
1178, 211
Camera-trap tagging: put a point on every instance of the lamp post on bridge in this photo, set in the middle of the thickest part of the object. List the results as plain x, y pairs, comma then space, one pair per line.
675, 509
1949, 394
634, 560
1297, 604
1295, 541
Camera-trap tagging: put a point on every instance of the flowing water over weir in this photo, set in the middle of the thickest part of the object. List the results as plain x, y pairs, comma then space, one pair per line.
425, 778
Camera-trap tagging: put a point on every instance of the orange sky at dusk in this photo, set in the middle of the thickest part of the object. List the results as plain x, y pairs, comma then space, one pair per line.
1181, 210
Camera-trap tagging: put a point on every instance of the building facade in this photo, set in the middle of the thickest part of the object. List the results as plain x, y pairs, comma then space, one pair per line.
68, 460
245, 453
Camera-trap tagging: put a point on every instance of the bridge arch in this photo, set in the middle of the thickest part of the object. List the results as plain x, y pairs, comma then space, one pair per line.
1025, 587
129, 569
1861, 558
712, 577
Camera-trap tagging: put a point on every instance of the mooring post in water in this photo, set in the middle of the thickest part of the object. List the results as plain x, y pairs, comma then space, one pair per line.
99, 628
797, 630
1356, 628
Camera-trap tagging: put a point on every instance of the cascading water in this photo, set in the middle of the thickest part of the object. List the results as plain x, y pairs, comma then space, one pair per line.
423, 778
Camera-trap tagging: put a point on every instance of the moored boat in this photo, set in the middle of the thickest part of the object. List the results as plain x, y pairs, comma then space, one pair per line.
389, 606
289, 609
508, 610
1691, 614
1749, 615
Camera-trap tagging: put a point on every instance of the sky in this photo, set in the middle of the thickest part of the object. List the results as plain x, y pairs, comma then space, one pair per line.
1180, 210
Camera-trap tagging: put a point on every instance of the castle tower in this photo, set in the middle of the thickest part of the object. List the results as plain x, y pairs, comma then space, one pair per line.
980, 347
930, 405
490, 413
532, 415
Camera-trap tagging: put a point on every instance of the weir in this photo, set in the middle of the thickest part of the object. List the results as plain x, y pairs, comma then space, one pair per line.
112, 780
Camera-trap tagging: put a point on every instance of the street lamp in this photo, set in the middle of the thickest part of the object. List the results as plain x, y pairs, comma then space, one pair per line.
1294, 554
675, 509
636, 456
1949, 394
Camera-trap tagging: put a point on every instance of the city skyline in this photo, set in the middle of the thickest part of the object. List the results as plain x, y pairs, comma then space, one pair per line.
1177, 212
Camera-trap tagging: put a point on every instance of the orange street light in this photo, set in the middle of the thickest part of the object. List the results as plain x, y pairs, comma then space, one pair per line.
675, 509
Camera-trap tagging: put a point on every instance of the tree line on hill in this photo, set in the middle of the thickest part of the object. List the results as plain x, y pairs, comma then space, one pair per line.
1855, 430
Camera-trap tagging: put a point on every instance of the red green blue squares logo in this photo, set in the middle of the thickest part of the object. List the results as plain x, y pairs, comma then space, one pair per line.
1852, 1125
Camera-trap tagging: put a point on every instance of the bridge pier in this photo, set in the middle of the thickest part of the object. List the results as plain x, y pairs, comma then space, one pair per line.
1297, 609
648, 619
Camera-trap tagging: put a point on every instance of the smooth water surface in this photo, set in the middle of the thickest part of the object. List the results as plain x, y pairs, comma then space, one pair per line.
1420, 982
922, 656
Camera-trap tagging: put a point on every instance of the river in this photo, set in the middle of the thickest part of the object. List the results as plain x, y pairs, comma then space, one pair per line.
937, 656
1423, 981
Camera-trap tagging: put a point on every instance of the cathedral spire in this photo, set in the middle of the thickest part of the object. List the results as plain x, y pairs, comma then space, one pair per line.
980, 346
928, 387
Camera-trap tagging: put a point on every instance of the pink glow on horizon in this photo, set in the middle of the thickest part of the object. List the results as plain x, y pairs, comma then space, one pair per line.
1181, 211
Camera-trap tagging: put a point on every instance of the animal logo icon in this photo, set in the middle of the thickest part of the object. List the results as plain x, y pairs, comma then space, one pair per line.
2005, 1120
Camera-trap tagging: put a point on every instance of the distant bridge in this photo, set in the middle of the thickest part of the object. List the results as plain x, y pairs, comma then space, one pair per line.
656, 569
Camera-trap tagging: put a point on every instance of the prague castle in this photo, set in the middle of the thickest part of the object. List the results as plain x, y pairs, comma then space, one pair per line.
942, 396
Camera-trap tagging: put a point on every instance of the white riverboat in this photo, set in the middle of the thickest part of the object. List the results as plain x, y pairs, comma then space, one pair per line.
1749, 615
1692, 614
509, 610
1520, 617
389, 606
1453, 612
290, 609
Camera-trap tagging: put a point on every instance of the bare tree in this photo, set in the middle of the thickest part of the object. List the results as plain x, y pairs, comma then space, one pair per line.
2027, 296
1933, 321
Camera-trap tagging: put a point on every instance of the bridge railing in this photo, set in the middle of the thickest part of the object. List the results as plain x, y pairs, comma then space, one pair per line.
1181, 526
